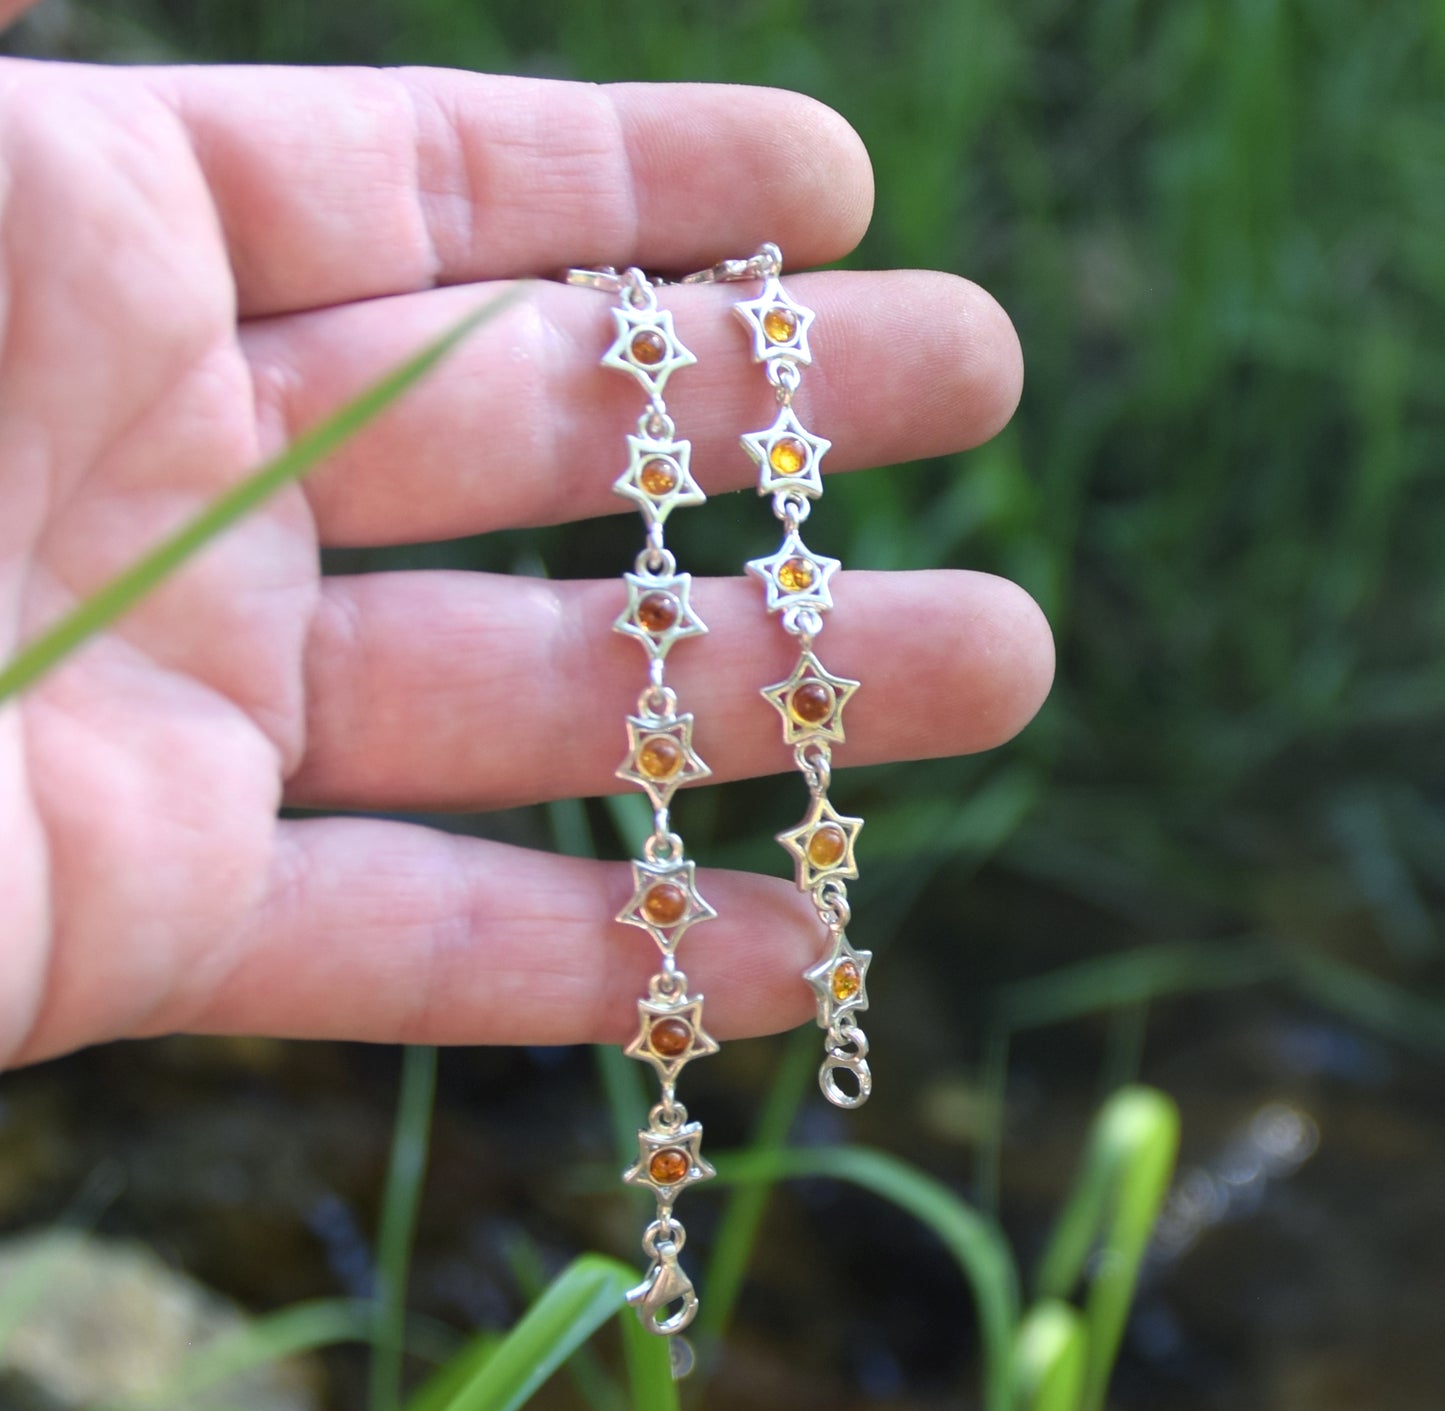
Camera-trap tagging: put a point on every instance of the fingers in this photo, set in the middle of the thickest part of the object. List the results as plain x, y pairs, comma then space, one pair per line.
393, 933
335, 185
444, 690
520, 426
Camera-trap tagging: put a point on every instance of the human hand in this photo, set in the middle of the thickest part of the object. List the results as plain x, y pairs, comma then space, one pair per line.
193, 262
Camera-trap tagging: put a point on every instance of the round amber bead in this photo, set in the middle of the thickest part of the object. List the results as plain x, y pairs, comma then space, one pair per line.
660, 757
780, 325
668, 1166
827, 846
659, 475
664, 904
648, 347
846, 981
811, 702
670, 1037
787, 455
796, 575
658, 611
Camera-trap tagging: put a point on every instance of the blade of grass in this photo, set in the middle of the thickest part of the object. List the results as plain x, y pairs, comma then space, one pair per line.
632, 818
405, 1173
993, 1084
649, 1367
738, 1229
123, 591
975, 1242
1050, 1358
1115, 1201
446, 1383
577, 1302
593, 1382
1133, 977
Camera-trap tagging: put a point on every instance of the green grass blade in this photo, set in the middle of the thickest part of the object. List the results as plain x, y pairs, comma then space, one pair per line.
405, 1173
1115, 1202
649, 1367
632, 817
577, 1302
737, 1230
447, 1382
975, 1242
623, 1082
594, 1384
1050, 1358
106, 604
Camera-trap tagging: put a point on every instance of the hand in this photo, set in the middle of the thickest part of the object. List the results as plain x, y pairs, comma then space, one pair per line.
195, 262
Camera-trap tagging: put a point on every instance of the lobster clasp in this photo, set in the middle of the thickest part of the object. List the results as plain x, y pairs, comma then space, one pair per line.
664, 1285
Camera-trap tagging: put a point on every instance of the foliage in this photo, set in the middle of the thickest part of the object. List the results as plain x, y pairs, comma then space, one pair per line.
1216, 227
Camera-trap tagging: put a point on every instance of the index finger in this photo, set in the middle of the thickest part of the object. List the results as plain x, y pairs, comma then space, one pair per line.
334, 185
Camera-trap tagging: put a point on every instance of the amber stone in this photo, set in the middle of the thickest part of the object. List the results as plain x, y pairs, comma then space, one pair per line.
660, 757
668, 1166
787, 455
796, 575
670, 1037
659, 475
648, 347
846, 981
658, 611
780, 325
827, 846
664, 904
811, 702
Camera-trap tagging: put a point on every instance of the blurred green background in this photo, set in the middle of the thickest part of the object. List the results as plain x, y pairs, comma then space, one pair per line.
1217, 859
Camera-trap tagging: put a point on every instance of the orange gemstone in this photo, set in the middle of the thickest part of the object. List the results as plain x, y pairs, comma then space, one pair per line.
812, 702
788, 455
658, 611
664, 904
660, 757
796, 575
648, 347
846, 981
668, 1166
669, 1037
658, 475
780, 325
827, 846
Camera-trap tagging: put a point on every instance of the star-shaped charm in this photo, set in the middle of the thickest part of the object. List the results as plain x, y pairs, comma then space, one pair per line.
647, 347
668, 1162
795, 577
660, 756
665, 901
811, 702
658, 478
778, 325
822, 845
658, 611
670, 1034
840, 981
787, 456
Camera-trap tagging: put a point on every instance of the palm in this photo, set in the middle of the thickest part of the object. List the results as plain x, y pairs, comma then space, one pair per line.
190, 268
153, 763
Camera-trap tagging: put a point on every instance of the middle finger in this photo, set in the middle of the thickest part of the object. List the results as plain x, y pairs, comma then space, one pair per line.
520, 426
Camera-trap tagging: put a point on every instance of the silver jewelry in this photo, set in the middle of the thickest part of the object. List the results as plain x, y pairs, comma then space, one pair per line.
660, 757
811, 700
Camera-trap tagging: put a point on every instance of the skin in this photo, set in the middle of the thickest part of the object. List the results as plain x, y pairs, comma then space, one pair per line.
193, 263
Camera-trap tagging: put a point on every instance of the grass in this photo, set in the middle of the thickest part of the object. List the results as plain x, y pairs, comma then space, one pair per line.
1217, 229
